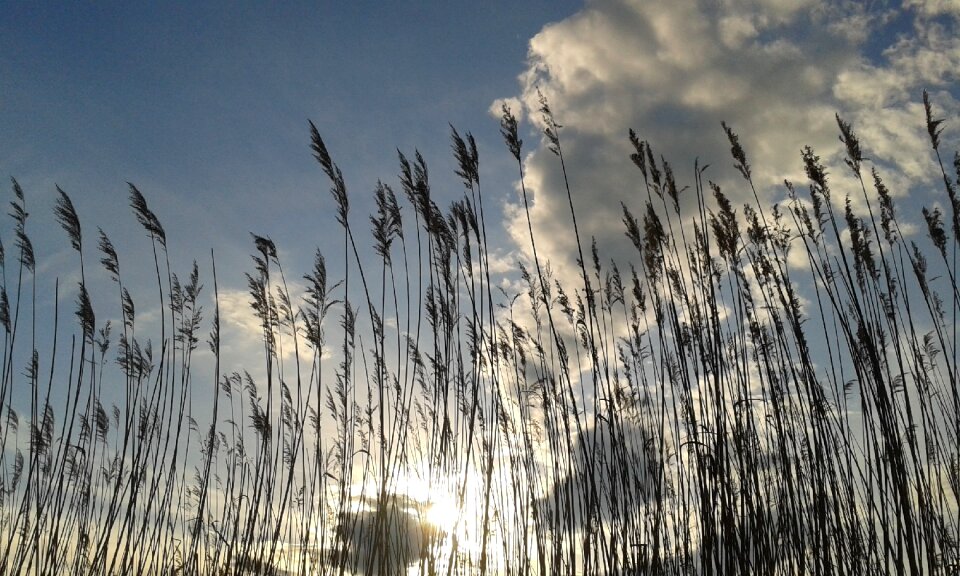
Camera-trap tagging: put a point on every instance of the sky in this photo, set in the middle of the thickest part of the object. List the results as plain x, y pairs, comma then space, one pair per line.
204, 107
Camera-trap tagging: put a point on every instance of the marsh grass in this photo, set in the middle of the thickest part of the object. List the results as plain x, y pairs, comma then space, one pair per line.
762, 390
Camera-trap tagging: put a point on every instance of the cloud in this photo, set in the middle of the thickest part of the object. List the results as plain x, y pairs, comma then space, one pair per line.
512, 104
242, 343
935, 7
776, 71
390, 539
622, 458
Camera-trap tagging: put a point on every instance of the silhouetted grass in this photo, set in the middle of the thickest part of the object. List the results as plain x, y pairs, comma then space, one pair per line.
761, 389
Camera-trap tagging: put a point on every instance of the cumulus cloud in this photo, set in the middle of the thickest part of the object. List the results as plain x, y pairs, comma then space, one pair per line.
776, 71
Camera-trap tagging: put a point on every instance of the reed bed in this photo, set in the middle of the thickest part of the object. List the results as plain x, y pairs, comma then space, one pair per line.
759, 390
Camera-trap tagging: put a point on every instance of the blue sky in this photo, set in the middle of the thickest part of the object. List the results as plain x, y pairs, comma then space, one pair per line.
204, 106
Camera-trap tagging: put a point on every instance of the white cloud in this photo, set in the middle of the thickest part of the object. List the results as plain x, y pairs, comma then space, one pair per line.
512, 104
935, 7
736, 30
776, 71
242, 341
236, 313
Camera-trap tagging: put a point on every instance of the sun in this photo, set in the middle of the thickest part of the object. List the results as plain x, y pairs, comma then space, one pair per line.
442, 512
439, 504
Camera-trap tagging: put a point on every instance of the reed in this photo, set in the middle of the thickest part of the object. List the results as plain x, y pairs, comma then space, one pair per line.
760, 389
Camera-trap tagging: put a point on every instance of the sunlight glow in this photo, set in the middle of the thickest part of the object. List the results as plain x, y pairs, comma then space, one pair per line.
438, 503
443, 513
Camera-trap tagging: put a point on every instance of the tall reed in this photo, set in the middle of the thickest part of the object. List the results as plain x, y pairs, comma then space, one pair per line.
759, 389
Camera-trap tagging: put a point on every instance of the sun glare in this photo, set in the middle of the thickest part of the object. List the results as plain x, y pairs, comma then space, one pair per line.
438, 504
442, 513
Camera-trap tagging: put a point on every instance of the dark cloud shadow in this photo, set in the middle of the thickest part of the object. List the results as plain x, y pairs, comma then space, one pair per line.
385, 537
